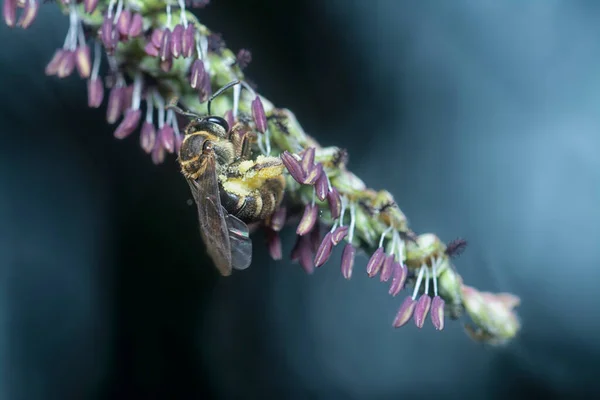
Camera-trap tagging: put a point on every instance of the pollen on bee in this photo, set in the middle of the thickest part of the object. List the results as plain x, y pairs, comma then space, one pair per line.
244, 166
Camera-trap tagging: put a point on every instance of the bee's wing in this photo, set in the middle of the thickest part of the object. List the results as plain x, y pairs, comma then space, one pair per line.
226, 237
239, 238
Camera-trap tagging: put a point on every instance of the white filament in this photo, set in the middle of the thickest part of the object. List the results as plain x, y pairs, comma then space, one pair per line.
418, 283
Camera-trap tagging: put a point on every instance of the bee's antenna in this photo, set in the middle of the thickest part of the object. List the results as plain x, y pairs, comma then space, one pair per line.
172, 105
218, 92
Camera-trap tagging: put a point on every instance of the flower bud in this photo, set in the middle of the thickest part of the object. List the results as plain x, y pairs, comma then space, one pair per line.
258, 114
274, 244
9, 12
108, 34
421, 309
177, 41
348, 260
197, 74
114, 107
123, 22
308, 220
166, 137
302, 252
324, 250
136, 26
399, 274
156, 38
335, 203
83, 61
313, 174
293, 166
277, 220
151, 49
437, 313
405, 312
147, 136
128, 124
29, 13
339, 234
322, 186
66, 65
165, 45
158, 153
53, 65
95, 90
386, 268
308, 159
188, 41
375, 262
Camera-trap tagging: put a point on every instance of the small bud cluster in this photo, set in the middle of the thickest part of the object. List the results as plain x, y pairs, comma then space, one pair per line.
158, 51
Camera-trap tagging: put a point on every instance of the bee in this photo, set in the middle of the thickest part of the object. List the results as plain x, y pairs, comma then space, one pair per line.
230, 188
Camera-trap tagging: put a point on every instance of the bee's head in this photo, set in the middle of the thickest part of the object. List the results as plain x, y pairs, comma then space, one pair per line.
213, 124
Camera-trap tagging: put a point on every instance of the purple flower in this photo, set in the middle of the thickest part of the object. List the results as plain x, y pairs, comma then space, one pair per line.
129, 124
66, 65
335, 203
293, 166
348, 260
9, 12
123, 23
421, 309
437, 313
114, 107
136, 25
322, 186
339, 234
177, 41
302, 252
399, 274
405, 312
277, 220
29, 13
324, 250
197, 74
95, 90
188, 41
258, 114
83, 61
166, 137
273, 244
147, 136
313, 174
165, 45
375, 262
308, 220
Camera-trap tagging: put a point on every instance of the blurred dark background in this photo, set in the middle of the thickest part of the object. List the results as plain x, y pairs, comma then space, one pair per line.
488, 127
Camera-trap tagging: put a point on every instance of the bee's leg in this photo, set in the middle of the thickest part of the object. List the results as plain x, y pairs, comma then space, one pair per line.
242, 140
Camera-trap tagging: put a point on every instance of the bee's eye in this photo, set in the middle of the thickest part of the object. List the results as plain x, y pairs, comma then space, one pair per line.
207, 146
219, 121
